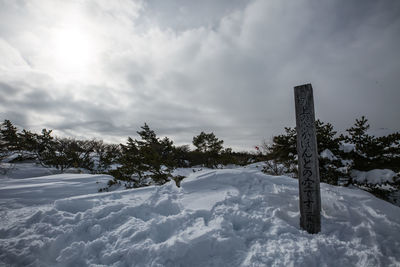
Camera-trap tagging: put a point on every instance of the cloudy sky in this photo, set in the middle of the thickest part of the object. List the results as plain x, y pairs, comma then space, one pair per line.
100, 69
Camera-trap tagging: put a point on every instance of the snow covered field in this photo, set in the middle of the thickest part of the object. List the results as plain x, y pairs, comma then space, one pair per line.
231, 217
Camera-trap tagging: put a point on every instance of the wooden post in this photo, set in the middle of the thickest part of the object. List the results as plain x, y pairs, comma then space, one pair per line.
309, 191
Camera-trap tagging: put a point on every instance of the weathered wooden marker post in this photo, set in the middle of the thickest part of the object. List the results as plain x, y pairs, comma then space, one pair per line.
310, 196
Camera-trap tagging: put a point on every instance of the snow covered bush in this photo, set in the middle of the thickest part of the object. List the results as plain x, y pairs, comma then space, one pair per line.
273, 167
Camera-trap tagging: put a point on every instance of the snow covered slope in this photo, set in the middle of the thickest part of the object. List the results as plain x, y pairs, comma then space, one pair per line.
233, 217
16, 193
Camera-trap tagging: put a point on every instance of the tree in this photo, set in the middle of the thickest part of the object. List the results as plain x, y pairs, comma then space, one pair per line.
227, 157
368, 151
207, 143
66, 153
389, 157
326, 137
131, 169
208, 146
157, 155
28, 140
331, 167
82, 151
147, 135
45, 147
283, 147
149, 160
182, 156
282, 153
9, 140
105, 155
358, 134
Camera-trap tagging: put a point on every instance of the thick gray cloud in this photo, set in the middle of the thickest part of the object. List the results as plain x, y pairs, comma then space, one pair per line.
103, 68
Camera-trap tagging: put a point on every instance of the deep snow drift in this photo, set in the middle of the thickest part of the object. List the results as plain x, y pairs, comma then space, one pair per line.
231, 217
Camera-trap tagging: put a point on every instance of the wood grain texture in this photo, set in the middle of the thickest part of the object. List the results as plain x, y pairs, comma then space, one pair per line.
309, 182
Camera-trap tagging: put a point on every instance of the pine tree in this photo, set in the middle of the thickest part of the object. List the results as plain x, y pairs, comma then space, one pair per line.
207, 143
9, 140
147, 135
28, 140
182, 156
45, 147
131, 170
105, 154
390, 155
283, 147
157, 155
367, 148
149, 160
326, 137
358, 135
282, 153
209, 148
330, 169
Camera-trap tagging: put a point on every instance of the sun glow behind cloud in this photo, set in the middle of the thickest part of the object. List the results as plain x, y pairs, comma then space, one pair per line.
72, 50
104, 67
67, 49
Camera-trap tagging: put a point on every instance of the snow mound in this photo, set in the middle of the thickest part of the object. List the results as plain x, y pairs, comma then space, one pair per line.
237, 217
377, 176
347, 147
327, 154
15, 193
24, 170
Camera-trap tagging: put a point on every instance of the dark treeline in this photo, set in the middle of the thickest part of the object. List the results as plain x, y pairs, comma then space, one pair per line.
150, 160
340, 155
50, 151
146, 161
